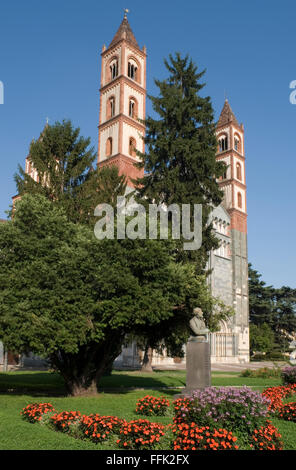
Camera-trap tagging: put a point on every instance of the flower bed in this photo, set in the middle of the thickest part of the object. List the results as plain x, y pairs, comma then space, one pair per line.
35, 411
64, 420
140, 434
99, 428
266, 438
194, 437
288, 412
152, 406
225, 418
235, 409
276, 395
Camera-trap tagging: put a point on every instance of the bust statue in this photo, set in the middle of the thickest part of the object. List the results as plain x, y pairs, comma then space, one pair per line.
198, 326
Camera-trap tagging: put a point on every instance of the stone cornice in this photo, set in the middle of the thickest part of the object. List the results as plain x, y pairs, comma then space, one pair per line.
122, 78
122, 117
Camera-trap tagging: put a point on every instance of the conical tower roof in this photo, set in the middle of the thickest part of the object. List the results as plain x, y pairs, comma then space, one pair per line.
124, 32
227, 116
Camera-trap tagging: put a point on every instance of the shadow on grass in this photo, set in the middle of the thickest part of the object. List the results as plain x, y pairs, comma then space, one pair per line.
52, 384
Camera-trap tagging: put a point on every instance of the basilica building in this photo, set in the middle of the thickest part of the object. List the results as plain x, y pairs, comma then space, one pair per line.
122, 104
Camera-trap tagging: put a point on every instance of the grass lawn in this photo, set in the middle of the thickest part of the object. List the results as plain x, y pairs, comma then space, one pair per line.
117, 399
52, 383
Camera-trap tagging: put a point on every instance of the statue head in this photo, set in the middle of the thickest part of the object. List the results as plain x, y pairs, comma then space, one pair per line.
198, 312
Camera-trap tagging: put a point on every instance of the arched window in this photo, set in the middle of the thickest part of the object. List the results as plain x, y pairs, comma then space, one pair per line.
109, 145
237, 145
132, 70
223, 143
111, 107
238, 171
113, 69
239, 200
132, 147
133, 108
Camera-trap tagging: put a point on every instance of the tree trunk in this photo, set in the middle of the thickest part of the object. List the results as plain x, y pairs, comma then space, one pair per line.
83, 371
147, 360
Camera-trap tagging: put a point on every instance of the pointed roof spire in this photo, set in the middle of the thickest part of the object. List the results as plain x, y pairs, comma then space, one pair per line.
124, 32
227, 115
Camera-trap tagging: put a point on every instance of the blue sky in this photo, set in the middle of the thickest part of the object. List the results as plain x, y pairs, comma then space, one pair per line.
50, 67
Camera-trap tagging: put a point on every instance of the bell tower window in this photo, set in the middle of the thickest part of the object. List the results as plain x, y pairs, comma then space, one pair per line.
238, 171
114, 69
132, 71
237, 144
223, 143
133, 108
132, 147
239, 200
111, 107
109, 145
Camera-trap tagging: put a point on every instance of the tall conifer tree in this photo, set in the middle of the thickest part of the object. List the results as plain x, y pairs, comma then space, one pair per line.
64, 163
179, 160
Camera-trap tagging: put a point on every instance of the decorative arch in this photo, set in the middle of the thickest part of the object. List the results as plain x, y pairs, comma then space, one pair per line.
224, 327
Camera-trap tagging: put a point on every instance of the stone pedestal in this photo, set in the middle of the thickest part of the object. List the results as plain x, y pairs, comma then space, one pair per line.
198, 365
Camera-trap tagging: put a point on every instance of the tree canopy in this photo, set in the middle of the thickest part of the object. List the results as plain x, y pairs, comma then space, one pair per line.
72, 298
274, 307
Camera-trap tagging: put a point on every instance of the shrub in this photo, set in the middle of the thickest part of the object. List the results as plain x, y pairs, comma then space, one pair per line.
288, 412
266, 437
65, 420
193, 437
276, 356
140, 434
152, 406
289, 375
263, 372
99, 428
34, 411
236, 409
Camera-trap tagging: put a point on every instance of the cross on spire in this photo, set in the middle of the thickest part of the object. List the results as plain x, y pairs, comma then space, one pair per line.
126, 11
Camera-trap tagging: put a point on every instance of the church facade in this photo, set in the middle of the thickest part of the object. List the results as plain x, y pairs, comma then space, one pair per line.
122, 104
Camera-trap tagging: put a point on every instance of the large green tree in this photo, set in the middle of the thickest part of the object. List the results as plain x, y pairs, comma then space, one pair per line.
72, 298
261, 338
64, 162
180, 157
260, 299
275, 307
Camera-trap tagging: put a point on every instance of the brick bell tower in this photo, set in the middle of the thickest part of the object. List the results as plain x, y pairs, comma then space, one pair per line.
122, 102
230, 136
